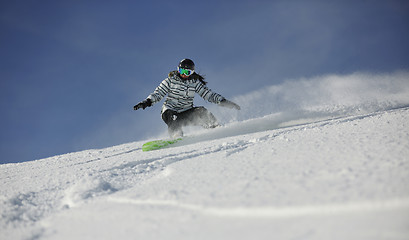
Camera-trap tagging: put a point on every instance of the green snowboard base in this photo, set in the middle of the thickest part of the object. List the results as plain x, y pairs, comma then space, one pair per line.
158, 144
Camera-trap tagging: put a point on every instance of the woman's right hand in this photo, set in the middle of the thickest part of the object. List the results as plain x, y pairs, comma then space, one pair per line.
145, 103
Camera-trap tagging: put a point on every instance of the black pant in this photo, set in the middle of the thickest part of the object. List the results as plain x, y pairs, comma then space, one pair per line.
196, 116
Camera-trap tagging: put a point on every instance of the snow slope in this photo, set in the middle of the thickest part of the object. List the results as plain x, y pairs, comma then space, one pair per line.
339, 178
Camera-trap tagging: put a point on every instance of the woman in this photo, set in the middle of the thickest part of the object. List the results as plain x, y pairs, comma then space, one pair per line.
180, 87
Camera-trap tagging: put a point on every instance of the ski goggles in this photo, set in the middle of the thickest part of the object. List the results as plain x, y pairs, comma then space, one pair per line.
186, 72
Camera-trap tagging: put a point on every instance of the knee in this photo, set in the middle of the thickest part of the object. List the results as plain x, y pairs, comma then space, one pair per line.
168, 115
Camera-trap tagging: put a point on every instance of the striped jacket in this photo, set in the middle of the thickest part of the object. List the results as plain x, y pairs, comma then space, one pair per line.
181, 92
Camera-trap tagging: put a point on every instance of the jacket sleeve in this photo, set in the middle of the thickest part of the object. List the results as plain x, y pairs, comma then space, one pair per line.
208, 94
160, 91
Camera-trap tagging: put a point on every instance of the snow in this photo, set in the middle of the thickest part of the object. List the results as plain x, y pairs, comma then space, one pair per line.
334, 168
341, 178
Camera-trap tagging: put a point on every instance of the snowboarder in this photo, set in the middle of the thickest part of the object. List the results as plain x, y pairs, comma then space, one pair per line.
180, 87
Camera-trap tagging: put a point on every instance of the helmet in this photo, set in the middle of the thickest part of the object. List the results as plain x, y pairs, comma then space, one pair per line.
187, 64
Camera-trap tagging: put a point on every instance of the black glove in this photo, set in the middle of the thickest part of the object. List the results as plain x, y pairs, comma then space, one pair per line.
229, 104
145, 103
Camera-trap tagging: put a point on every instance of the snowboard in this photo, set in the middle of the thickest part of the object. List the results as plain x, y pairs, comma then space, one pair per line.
158, 144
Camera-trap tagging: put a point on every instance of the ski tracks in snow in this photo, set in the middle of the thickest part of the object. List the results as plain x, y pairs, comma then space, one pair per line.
78, 178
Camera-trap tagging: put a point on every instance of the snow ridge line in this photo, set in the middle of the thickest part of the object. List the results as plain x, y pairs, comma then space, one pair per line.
272, 212
283, 124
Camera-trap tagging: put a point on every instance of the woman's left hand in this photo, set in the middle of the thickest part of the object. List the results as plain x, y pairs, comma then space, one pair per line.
229, 104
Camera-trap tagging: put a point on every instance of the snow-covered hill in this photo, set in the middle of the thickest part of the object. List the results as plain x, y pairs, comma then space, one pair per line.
338, 178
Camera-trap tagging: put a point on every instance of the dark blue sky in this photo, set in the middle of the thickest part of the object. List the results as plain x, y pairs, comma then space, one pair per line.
71, 71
